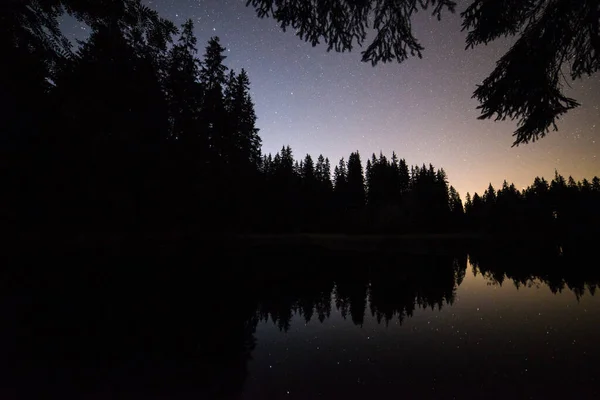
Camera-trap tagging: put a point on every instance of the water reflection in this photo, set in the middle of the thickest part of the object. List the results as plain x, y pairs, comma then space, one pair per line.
500, 323
559, 268
392, 289
302, 319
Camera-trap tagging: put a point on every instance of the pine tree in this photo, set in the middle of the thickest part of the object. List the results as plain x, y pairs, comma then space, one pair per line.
267, 165
31, 38
586, 186
558, 182
489, 196
111, 91
457, 210
213, 116
319, 167
369, 182
327, 175
229, 91
395, 184
477, 210
340, 177
540, 186
404, 176
308, 170
456, 206
287, 161
468, 204
356, 182
243, 140
212, 73
183, 93
596, 184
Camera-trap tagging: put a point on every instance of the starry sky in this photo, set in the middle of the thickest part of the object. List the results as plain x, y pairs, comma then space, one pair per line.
332, 103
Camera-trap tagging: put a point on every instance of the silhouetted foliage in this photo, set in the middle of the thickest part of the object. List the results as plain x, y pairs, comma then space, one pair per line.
527, 82
130, 135
344, 23
526, 85
356, 182
132, 132
126, 132
556, 208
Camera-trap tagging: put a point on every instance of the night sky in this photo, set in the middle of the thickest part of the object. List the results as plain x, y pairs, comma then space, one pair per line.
331, 103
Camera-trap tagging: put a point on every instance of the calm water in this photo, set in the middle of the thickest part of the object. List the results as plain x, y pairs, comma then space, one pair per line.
303, 322
480, 338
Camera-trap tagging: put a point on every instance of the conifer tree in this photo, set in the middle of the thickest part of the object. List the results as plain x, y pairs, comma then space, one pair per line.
356, 182
245, 143
183, 93
213, 117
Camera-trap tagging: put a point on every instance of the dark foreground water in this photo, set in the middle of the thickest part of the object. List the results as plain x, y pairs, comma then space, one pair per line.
304, 323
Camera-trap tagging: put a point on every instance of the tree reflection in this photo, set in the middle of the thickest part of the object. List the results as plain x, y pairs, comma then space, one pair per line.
350, 294
117, 322
558, 267
394, 286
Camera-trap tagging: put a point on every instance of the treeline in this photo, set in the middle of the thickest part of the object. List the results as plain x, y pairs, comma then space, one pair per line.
134, 131
386, 197
391, 197
560, 206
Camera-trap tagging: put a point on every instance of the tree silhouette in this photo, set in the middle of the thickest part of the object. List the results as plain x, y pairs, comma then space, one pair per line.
356, 182
527, 82
343, 24
323, 174
560, 209
132, 132
596, 184
308, 171
182, 89
456, 208
213, 115
531, 91
38, 51
404, 176
468, 203
246, 142
340, 178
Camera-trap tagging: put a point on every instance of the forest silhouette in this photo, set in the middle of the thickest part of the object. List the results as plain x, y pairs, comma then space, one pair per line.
134, 132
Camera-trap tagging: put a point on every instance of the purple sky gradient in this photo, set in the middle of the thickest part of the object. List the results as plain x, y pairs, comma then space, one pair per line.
332, 104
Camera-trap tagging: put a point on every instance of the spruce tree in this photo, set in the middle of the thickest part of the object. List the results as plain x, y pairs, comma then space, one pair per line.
213, 118
468, 204
340, 177
327, 175
183, 93
308, 170
244, 141
356, 182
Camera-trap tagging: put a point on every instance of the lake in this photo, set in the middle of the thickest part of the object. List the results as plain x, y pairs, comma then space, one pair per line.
305, 322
